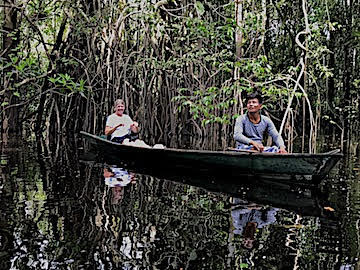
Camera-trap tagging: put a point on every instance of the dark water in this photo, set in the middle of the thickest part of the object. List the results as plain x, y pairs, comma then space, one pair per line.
61, 212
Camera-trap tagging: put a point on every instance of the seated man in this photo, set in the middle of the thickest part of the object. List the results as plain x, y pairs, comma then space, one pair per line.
120, 126
250, 128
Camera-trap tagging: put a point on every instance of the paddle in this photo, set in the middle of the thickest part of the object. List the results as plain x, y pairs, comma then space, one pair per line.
242, 150
251, 151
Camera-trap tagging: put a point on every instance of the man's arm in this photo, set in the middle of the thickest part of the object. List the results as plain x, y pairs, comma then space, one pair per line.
110, 130
239, 131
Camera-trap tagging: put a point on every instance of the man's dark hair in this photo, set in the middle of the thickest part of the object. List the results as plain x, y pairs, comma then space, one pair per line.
254, 95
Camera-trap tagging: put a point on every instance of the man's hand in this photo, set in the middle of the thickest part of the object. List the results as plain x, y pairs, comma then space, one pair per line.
258, 146
282, 150
134, 127
108, 173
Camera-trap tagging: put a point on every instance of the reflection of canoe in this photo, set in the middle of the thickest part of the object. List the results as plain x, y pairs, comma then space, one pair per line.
305, 201
308, 167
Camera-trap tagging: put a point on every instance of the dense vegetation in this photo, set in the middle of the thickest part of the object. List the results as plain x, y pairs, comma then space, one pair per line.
183, 67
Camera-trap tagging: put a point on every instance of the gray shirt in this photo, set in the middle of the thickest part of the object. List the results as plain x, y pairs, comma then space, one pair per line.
246, 131
241, 216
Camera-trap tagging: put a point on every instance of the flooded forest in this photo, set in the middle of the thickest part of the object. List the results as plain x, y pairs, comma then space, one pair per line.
184, 69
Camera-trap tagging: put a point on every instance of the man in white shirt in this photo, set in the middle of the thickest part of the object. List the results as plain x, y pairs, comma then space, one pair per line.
119, 125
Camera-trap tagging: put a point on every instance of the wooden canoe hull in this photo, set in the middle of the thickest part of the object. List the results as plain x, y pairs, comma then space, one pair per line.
308, 167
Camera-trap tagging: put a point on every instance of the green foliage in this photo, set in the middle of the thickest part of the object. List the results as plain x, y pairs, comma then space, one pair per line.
3, 161
199, 8
212, 105
65, 84
150, 52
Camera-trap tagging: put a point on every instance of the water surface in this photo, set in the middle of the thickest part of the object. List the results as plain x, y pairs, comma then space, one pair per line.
66, 213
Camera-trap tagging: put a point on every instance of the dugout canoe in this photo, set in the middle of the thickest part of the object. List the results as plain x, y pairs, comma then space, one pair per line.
305, 167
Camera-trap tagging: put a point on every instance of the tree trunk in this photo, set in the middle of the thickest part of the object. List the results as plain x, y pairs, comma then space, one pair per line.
10, 116
238, 45
39, 118
347, 102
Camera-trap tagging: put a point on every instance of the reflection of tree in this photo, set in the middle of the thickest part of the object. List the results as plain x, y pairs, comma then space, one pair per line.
67, 212
339, 242
6, 234
179, 220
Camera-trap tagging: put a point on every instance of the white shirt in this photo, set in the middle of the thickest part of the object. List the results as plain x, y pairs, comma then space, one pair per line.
114, 120
121, 178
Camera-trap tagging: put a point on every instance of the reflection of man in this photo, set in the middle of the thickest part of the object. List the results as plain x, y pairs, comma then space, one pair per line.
248, 217
117, 179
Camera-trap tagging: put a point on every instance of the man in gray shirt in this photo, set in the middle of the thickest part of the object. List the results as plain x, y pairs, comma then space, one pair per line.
250, 128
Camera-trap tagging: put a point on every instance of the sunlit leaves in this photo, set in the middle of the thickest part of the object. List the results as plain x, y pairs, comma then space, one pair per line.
66, 84
356, 83
213, 104
206, 104
199, 8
